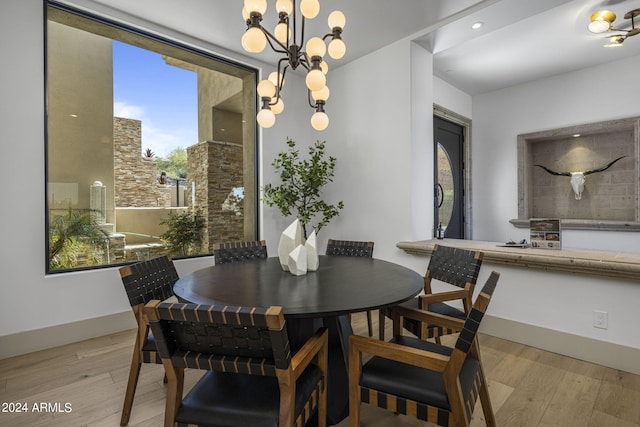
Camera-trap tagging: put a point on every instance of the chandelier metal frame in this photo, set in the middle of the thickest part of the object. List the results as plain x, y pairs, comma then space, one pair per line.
295, 56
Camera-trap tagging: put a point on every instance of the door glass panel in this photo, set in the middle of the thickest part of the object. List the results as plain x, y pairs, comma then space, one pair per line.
446, 191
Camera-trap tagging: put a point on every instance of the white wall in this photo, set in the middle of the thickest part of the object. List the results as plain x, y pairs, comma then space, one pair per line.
452, 98
562, 302
381, 148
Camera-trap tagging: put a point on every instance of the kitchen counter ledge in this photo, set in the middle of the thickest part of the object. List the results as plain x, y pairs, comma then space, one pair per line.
610, 264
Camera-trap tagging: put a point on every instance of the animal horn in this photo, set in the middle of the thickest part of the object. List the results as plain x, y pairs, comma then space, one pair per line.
554, 172
604, 168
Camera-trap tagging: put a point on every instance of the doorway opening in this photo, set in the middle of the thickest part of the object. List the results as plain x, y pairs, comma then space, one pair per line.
452, 174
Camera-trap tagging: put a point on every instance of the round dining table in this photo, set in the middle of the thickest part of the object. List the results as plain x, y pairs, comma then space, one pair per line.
325, 297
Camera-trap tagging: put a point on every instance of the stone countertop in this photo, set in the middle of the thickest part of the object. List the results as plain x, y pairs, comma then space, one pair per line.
601, 263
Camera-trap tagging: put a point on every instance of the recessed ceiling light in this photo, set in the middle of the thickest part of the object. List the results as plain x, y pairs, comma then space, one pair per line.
576, 135
477, 25
73, 115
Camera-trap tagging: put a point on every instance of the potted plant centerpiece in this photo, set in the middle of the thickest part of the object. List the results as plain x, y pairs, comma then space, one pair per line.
300, 190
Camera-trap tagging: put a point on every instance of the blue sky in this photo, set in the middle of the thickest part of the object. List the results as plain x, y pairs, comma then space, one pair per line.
162, 96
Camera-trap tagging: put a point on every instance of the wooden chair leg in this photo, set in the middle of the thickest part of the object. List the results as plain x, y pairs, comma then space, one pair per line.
134, 373
322, 408
355, 370
381, 320
175, 387
489, 417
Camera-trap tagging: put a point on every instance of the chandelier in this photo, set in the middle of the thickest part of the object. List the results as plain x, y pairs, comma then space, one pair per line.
285, 40
602, 21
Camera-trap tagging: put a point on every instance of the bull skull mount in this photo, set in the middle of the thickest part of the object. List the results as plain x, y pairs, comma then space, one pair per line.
578, 178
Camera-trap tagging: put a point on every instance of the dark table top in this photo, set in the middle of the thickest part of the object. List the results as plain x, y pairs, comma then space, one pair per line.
341, 285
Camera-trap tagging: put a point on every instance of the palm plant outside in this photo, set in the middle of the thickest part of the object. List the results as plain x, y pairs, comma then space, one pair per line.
75, 233
301, 188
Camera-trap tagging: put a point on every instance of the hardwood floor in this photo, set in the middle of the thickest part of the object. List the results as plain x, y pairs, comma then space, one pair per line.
83, 384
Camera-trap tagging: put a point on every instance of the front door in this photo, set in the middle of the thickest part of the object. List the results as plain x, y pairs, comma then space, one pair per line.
448, 140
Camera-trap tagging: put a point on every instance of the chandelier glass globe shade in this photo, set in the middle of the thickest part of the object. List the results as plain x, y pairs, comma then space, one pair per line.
319, 120
282, 33
254, 40
324, 67
266, 89
278, 107
322, 94
337, 48
316, 47
266, 118
336, 19
310, 8
315, 80
285, 6
259, 6
276, 78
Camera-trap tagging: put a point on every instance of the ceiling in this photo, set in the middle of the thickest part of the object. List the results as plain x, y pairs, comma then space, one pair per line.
520, 41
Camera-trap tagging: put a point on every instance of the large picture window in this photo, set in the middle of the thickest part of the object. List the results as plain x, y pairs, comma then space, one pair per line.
151, 145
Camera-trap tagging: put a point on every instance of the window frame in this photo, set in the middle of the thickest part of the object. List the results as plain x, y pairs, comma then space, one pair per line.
154, 38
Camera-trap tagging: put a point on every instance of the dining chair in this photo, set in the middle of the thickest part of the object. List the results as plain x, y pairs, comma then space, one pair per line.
423, 379
252, 377
239, 251
457, 267
143, 282
355, 249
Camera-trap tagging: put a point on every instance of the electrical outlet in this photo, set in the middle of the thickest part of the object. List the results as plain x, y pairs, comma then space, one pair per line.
600, 319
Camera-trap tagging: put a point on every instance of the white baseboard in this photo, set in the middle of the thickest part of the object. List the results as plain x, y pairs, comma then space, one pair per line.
54, 336
603, 353
600, 352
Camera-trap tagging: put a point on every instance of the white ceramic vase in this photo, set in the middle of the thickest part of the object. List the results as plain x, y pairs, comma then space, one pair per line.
291, 238
297, 261
313, 260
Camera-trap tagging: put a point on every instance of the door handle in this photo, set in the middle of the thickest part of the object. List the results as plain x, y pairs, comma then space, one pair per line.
439, 199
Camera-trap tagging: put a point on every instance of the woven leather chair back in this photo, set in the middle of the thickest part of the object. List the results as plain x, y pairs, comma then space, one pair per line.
148, 280
249, 340
144, 281
350, 248
471, 325
455, 266
250, 343
239, 251
354, 249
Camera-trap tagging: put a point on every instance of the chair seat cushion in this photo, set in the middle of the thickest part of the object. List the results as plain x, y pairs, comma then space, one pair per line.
414, 383
225, 399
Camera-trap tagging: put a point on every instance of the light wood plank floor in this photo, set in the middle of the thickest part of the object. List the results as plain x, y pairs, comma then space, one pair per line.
529, 388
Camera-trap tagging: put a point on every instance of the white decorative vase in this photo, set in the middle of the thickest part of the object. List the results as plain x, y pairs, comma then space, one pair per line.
291, 237
297, 261
313, 260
